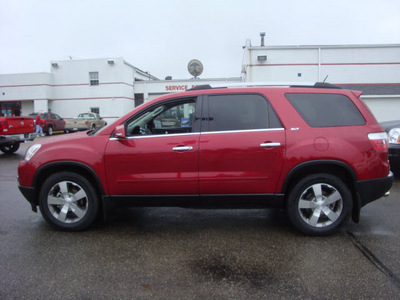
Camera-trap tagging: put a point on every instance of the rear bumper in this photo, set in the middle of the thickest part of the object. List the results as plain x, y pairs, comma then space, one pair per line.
373, 189
17, 138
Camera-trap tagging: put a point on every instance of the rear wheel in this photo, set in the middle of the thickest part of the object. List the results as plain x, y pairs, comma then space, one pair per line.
68, 201
319, 204
9, 148
50, 130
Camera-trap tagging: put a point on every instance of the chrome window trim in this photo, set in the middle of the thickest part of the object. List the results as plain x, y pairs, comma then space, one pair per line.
244, 130
154, 136
196, 133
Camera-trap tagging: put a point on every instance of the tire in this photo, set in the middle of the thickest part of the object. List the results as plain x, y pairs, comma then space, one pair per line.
68, 201
93, 126
9, 148
50, 130
319, 204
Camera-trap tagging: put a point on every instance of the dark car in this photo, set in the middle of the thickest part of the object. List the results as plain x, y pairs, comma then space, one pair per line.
393, 130
51, 122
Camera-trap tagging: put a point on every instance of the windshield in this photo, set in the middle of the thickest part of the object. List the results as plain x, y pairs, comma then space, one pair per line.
86, 116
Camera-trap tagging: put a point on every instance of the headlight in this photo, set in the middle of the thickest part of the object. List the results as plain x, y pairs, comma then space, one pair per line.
394, 136
31, 151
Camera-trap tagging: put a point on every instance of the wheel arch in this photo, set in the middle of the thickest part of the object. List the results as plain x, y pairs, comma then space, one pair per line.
337, 168
68, 166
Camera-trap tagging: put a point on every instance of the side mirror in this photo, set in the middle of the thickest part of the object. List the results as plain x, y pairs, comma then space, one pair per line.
120, 131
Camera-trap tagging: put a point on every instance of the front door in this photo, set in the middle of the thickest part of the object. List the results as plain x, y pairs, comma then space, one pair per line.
159, 155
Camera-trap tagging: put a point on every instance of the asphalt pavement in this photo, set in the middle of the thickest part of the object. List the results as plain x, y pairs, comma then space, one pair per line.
175, 253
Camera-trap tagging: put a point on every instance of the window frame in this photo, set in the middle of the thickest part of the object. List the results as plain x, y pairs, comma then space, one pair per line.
179, 101
313, 122
270, 111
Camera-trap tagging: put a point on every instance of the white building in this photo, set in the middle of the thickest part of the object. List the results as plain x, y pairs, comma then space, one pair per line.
105, 86
372, 69
112, 87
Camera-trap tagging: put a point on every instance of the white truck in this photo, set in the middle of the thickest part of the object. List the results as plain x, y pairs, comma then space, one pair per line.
84, 121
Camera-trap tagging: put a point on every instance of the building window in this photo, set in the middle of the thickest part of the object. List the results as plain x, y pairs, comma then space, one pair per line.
8, 109
95, 110
94, 78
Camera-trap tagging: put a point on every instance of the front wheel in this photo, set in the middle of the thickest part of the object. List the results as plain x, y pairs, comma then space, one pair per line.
319, 204
68, 201
9, 148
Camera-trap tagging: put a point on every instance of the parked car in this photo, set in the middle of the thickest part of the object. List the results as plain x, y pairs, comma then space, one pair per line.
316, 151
85, 121
52, 122
14, 131
393, 129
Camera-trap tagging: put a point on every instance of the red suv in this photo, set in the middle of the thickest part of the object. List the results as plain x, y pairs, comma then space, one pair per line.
315, 150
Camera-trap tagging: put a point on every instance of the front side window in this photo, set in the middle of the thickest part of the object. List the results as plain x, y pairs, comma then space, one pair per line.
240, 112
94, 78
170, 118
326, 110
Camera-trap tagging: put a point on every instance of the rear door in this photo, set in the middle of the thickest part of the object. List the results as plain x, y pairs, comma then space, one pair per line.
242, 145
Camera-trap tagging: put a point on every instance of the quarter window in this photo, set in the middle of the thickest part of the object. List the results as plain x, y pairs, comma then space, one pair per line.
326, 110
240, 112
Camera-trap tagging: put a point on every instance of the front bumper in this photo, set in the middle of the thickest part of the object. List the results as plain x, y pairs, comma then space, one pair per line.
373, 189
30, 194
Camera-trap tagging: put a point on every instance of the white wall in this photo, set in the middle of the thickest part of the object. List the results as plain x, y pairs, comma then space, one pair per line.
384, 109
25, 87
363, 64
73, 93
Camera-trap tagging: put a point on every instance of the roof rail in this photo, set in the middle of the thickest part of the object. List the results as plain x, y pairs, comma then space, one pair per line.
251, 84
322, 85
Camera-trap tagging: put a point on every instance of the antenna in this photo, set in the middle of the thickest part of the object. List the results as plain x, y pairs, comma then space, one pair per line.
325, 78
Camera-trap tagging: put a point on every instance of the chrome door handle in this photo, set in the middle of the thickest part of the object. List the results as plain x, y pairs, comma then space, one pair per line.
270, 145
183, 148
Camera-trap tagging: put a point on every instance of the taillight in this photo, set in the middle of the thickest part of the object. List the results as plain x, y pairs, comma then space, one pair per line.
3, 126
380, 140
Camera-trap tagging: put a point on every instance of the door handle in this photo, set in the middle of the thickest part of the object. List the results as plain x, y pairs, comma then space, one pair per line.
270, 144
183, 148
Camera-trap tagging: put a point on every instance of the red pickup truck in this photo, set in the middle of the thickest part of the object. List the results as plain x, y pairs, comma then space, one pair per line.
15, 130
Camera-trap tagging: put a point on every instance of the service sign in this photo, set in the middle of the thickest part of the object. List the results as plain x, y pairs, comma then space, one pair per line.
179, 87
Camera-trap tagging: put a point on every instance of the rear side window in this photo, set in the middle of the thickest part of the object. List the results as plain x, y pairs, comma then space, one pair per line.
326, 110
240, 112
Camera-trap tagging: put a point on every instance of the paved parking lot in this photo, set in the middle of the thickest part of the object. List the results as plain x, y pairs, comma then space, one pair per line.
174, 253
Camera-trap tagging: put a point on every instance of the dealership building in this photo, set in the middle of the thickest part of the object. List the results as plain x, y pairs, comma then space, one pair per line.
112, 86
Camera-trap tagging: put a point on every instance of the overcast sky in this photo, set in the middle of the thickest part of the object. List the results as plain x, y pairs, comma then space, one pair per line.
163, 36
